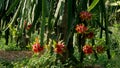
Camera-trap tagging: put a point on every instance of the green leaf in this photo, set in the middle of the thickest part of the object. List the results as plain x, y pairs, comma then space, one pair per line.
1, 4
94, 3
115, 3
54, 43
14, 17
118, 10
13, 6
43, 22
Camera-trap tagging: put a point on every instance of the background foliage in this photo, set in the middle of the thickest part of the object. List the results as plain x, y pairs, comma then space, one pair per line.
21, 21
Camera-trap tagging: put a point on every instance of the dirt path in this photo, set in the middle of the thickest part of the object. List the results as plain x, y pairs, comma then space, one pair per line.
14, 55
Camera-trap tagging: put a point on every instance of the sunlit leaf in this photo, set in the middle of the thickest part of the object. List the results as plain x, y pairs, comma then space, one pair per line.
94, 3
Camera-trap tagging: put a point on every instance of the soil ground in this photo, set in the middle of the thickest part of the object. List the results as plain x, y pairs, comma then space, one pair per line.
14, 55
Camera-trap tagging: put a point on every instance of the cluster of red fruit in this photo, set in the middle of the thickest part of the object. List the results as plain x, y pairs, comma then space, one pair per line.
84, 30
37, 48
81, 28
27, 26
88, 49
89, 35
84, 15
100, 49
59, 48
